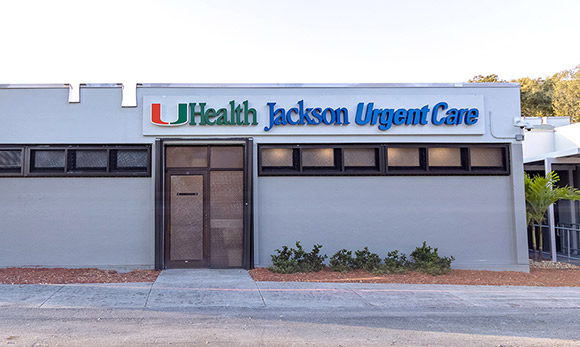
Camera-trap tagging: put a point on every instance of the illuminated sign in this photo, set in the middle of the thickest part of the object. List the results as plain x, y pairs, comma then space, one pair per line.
313, 115
198, 113
385, 118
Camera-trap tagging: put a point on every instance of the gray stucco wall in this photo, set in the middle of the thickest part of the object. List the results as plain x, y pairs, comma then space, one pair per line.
470, 218
77, 222
105, 222
44, 116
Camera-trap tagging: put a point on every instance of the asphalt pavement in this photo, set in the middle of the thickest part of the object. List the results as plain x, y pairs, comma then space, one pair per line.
227, 308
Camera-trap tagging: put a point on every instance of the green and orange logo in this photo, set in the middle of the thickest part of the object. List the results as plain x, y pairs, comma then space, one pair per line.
197, 113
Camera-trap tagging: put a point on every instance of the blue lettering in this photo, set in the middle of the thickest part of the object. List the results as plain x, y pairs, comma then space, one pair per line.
413, 116
462, 114
436, 108
400, 116
304, 118
472, 116
332, 116
424, 112
376, 113
359, 113
452, 117
317, 114
277, 116
289, 116
386, 119
344, 112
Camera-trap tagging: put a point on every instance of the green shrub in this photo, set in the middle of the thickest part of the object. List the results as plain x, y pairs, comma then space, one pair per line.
313, 261
394, 263
426, 259
366, 260
342, 261
285, 261
290, 260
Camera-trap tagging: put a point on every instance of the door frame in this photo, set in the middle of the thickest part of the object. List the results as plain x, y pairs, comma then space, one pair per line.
161, 198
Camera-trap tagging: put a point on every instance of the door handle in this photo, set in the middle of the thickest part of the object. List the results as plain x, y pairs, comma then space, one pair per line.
187, 194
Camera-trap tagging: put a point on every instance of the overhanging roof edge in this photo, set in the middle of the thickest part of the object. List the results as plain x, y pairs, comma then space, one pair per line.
553, 155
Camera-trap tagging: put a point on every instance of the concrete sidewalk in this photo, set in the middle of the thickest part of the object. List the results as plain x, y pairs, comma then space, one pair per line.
235, 288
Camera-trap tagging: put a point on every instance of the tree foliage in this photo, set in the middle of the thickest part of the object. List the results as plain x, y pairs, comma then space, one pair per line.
493, 78
557, 95
566, 95
536, 97
541, 192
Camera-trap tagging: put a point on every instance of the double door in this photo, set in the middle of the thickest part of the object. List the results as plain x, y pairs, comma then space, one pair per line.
204, 209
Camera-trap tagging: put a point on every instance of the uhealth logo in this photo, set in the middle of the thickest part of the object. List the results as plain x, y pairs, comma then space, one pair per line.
194, 113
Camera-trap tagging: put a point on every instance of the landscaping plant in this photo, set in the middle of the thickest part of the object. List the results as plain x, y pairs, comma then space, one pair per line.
366, 260
291, 260
393, 263
426, 259
541, 192
342, 261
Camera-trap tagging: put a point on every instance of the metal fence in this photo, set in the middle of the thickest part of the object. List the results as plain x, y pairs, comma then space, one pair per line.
568, 235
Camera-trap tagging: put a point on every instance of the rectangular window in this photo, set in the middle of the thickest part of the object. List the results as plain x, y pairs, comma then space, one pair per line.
360, 159
402, 160
226, 157
447, 160
278, 158
403, 157
319, 159
487, 157
444, 157
383, 159
278, 161
87, 160
47, 160
129, 160
75, 160
10, 161
186, 156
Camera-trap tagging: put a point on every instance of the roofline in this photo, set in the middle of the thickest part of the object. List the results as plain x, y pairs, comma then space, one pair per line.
266, 85
328, 85
553, 155
59, 85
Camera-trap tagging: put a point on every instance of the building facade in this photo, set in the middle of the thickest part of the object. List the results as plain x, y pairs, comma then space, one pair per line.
222, 175
554, 145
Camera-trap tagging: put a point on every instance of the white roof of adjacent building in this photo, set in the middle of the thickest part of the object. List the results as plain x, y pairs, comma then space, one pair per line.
553, 138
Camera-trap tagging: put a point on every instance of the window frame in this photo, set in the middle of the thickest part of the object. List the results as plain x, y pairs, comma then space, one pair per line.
22, 160
28, 169
383, 168
338, 169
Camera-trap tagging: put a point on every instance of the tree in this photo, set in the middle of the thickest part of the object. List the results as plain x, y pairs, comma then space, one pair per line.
566, 98
558, 95
536, 96
493, 78
541, 192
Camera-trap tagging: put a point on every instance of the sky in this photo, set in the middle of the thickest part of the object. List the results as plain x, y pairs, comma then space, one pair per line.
295, 41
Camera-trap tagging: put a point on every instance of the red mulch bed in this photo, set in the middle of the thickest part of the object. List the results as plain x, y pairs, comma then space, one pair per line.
62, 276
536, 277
